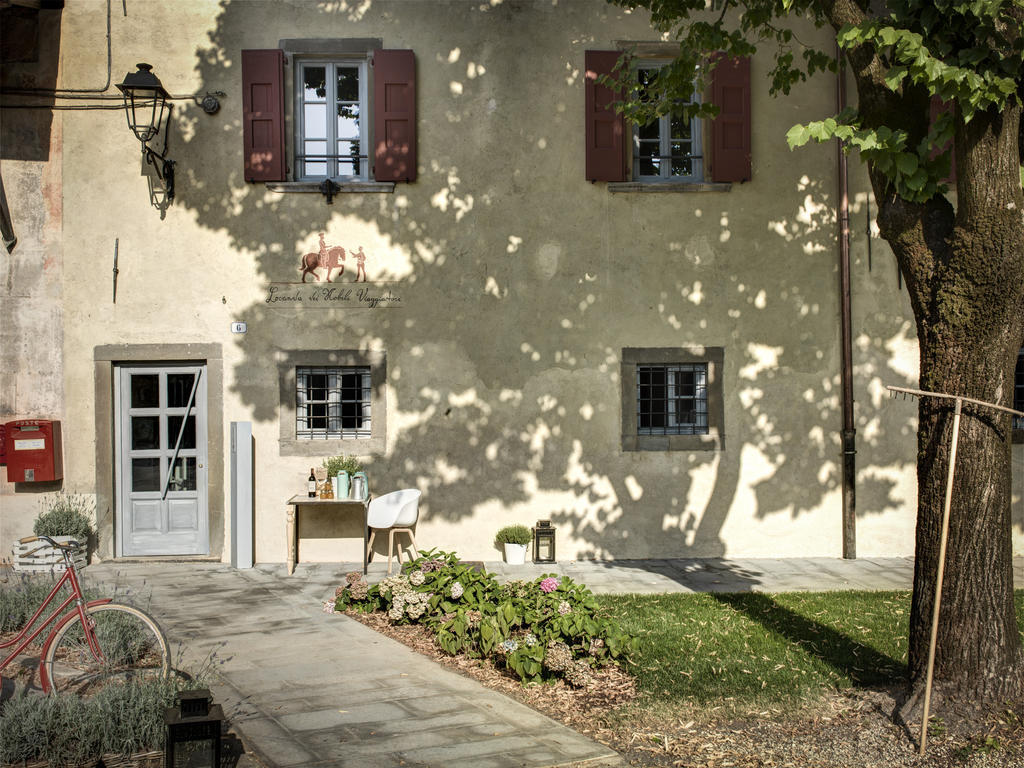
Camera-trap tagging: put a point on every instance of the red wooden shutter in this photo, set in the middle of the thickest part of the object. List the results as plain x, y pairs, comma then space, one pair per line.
730, 131
938, 106
263, 114
605, 130
394, 115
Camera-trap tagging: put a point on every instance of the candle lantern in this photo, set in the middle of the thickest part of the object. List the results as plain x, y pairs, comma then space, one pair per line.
193, 731
543, 542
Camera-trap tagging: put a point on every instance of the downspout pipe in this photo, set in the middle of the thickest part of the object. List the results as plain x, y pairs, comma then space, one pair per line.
849, 434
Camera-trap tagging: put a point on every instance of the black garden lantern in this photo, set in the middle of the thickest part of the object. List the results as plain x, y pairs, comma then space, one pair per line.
193, 731
144, 101
543, 542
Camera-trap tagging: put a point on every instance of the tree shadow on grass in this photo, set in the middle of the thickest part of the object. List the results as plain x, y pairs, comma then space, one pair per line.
863, 665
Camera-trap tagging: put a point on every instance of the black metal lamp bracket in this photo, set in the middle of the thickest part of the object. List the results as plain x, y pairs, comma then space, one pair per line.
329, 189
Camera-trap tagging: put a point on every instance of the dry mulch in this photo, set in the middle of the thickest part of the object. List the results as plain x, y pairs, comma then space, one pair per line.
851, 729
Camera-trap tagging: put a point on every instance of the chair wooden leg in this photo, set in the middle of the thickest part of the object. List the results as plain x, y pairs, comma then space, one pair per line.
369, 546
391, 546
413, 540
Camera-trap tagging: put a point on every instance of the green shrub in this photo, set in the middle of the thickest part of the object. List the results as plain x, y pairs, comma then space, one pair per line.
24, 593
335, 465
65, 515
67, 729
514, 534
542, 629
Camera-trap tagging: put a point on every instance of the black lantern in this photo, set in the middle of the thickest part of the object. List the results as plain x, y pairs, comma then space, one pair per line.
193, 731
144, 101
543, 542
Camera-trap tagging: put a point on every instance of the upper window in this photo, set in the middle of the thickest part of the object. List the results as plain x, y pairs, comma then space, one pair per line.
672, 399
331, 130
332, 403
668, 148
353, 115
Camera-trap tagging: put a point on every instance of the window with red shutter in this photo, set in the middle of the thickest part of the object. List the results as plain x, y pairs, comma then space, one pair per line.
605, 129
263, 114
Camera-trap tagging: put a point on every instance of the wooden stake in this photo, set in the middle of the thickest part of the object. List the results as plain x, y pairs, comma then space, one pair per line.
939, 575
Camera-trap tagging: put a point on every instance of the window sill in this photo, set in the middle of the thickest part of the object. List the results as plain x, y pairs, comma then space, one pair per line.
710, 442
341, 187
669, 186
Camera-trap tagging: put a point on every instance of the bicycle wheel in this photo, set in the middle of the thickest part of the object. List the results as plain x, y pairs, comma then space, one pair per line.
132, 646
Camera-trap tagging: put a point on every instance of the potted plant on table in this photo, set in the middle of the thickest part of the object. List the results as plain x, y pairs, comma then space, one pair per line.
514, 539
64, 518
340, 470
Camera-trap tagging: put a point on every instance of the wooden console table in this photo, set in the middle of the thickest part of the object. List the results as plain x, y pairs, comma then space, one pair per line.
344, 505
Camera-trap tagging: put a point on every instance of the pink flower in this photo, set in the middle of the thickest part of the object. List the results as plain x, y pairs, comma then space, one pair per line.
549, 584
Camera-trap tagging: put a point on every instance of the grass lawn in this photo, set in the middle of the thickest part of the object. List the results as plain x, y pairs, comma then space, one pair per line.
752, 650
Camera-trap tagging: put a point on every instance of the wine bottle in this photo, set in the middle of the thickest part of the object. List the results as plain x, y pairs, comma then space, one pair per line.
312, 484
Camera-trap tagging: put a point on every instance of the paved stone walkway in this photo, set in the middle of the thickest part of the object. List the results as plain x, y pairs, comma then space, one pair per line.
306, 688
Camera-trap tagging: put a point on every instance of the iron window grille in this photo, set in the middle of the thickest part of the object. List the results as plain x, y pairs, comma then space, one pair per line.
672, 399
332, 403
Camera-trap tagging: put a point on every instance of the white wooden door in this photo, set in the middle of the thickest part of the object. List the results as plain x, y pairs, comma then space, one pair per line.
161, 460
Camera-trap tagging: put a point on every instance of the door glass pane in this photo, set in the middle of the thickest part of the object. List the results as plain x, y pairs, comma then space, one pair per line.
179, 389
145, 390
348, 84
183, 475
145, 433
314, 83
145, 475
188, 439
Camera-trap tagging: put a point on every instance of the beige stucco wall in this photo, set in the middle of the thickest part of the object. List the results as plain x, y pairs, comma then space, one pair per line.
520, 284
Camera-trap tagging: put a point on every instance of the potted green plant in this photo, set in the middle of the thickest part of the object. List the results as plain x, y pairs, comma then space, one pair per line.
65, 518
340, 470
514, 540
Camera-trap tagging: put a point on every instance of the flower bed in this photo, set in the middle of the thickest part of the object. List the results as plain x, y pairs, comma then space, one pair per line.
543, 629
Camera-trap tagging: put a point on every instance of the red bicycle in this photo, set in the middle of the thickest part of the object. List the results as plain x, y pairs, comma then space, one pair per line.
96, 643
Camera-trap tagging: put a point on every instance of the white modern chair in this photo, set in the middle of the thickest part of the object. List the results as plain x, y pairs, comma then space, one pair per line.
394, 512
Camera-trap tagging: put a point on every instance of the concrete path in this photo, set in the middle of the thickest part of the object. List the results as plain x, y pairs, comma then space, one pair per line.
306, 688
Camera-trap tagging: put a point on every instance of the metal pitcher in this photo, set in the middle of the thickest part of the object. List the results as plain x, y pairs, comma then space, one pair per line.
359, 486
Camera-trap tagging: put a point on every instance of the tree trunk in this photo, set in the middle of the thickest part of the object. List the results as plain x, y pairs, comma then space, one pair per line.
968, 294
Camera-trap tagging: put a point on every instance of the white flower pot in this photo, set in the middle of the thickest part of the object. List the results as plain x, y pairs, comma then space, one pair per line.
515, 554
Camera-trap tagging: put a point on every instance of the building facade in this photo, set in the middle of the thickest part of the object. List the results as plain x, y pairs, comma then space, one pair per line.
507, 298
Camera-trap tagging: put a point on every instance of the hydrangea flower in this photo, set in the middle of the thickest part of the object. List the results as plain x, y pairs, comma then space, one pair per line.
474, 617
353, 576
550, 584
596, 645
510, 645
564, 608
558, 656
359, 590
329, 606
530, 640
577, 674
457, 590
416, 578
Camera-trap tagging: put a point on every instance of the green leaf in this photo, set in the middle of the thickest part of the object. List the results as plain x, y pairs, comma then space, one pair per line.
906, 163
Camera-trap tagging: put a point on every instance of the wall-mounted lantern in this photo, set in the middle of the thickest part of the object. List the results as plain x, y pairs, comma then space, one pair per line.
193, 731
144, 102
543, 542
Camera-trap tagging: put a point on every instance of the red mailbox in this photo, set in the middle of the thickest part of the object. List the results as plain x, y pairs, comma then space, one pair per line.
33, 451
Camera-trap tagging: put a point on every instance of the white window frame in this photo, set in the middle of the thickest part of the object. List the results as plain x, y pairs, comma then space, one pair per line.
331, 64
665, 140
